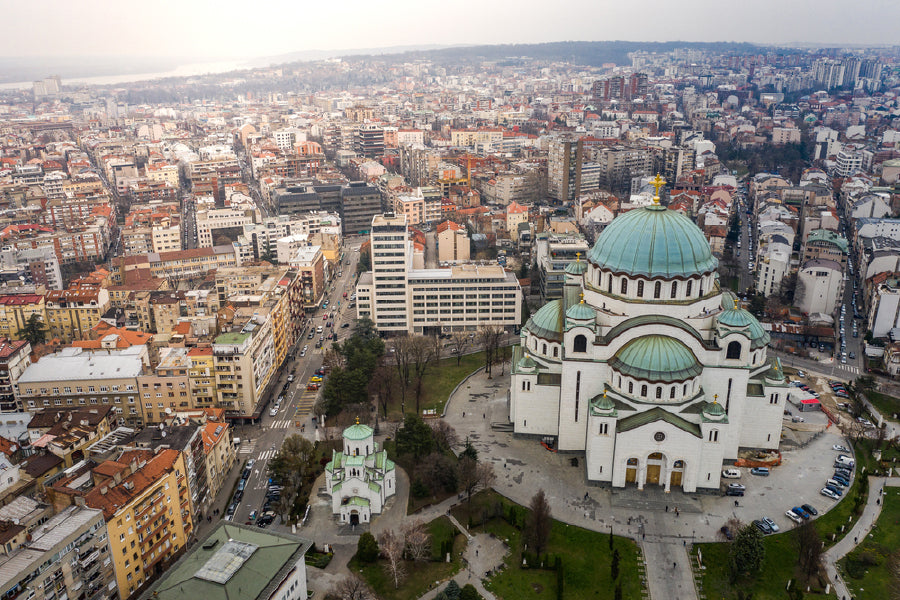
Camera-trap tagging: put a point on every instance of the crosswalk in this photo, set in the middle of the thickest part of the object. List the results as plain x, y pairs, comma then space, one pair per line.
247, 448
267, 454
282, 424
306, 402
850, 368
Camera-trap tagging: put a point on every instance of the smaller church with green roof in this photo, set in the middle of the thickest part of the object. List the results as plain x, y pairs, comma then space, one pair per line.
360, 478
645, 365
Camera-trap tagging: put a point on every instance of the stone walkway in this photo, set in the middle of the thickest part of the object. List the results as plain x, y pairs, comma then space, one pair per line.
859, 532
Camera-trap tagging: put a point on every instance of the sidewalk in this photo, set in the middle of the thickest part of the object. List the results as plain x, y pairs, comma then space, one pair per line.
859, 532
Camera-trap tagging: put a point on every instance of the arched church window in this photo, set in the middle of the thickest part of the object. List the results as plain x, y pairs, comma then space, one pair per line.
609, 283
640, 288
659, 392
624, 286
687, 292
630, 387
684, 393
674, 289
657, 289
644, 391
579, 344
555, 351
733, 351
544, 351
672, 393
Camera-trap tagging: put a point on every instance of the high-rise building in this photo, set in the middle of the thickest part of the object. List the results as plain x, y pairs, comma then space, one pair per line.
565, 158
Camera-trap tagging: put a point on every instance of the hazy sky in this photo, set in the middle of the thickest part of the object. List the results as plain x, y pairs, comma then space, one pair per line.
231, 29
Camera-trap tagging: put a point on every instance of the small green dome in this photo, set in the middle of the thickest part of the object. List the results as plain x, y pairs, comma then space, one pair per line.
526, 363
581, 312
654, 242
713, 409
547, 322
358, 432
742, 320
604, 403
656, 358
576, 268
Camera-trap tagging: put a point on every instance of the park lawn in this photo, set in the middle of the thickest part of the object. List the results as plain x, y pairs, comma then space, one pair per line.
420, 577
887, 405
585, 554
866, 569
440, 380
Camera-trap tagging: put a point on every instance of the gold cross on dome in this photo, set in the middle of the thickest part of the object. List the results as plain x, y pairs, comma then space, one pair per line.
582, 297
715, 399
578, 257
357, 420
657, 182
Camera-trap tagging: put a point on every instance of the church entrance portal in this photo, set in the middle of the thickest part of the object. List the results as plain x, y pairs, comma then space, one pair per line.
655, 464
677, 473
354, 518
631, 469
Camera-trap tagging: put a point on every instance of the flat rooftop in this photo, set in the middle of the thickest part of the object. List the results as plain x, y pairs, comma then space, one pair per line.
74, 364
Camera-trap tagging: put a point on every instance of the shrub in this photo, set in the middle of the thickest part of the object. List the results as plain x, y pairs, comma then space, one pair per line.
367, 548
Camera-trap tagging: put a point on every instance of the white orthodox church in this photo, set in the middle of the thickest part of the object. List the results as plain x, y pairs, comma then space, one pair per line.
645, 365
360, 478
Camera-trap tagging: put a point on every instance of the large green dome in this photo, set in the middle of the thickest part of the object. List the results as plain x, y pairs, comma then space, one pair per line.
656, 358
654, 242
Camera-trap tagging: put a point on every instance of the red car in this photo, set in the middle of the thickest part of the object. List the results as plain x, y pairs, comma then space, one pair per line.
325, 317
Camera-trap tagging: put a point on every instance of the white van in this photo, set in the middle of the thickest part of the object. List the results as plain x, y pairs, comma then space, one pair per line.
274, 411
845, 460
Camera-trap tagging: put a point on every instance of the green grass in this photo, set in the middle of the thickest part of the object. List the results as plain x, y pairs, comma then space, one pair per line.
420, 576
585, 554
886, 405
866, 569
439, 382
780, 564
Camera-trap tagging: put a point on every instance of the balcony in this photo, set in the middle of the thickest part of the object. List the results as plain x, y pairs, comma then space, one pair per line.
89, 559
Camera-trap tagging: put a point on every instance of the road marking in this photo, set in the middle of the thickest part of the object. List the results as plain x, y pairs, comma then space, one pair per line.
267, 454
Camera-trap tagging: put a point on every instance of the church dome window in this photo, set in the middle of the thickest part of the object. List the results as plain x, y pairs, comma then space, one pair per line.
733, 351
579, 344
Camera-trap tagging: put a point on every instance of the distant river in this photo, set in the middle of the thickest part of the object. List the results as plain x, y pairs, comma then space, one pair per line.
188, 70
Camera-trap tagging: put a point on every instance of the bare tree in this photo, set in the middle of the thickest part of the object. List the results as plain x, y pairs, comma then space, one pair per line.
537, 526
444, 434
418, 542
398, 350
458, 341
474, 475
421, 358
504, 356
810, 549
351, 587
392, 547
490, 337
332, 359
382, 386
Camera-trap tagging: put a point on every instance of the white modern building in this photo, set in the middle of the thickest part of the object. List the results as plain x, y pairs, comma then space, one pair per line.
360, 478
820, 286
644, 365
400, 298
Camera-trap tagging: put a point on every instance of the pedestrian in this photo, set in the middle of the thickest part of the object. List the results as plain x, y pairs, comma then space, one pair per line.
643, 536
484, 415
476, 552
855, 540
684, 543
464, 414
674, 565
667, 508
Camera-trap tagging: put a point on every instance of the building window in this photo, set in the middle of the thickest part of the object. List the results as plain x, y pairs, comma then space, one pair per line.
644, 391
577, 392
624, 287
674, 291
604, 428
640, 288
658, 392
733, 351
657, 289
687, 292
544, 349
579, 344
714, 435
555, 351
672, 393
630, 387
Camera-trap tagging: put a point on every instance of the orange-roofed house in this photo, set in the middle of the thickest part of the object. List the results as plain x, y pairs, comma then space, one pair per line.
515, 214
16, 310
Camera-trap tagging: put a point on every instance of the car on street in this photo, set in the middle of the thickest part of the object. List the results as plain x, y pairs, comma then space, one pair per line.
250, 463
315, 379
801, 374
770, 523
737, 486
726, 531
345, 325
761, 471
731, 474
291, 378
302, 353
790, 514
312, 386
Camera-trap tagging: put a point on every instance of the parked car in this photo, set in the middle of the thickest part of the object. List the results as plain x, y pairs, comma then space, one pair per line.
316, 379
810, 510
834, 490
798, 419
731, 474
762, 526
726, 532
772, 524
801, 374
737, 486
734, 492
799, 511
790, 514
761, 471
311, 387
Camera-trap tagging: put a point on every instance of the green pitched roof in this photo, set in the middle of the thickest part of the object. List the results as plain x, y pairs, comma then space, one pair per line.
547, 322
257, 575
656, 358
655, 242
657, 414
358, 432
355, 461
826, 235
357, 501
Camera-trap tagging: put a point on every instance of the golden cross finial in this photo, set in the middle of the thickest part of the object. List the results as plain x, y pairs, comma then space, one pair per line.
657, 183
578, 257
582, 297
715, 399
604, 393
357, 420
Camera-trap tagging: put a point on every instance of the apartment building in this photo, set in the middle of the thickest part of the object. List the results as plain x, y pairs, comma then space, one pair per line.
152, 229
309, 263
620, 164
355, 202
219, 452
226, 221
552, 254
186, 264
452, 242
73, 312
187, 438
398, 298
16, 310
201, 377
145, 500
262, 238
68, 556
76, 378
37, 266
15, 356
827, 245
166, 389
68, 433
262, 564
245, 361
